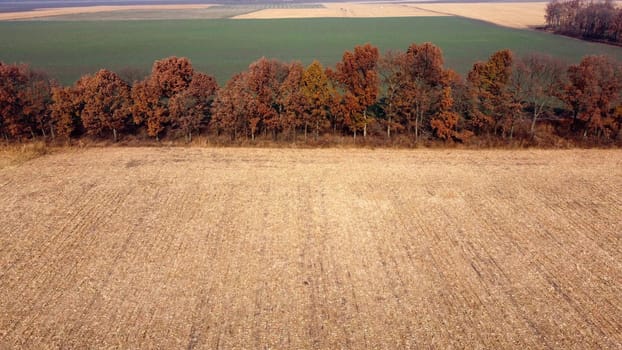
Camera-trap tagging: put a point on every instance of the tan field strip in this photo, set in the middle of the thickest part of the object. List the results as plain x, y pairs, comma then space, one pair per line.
48, 12
508, 14
345, 9
312, 249
515, 15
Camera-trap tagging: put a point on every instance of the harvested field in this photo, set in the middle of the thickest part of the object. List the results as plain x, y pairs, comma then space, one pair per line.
275, 248
507, 14
344, 9
63, 11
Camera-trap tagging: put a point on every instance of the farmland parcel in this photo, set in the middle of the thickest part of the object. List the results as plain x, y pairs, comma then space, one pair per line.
223, 47
249, 248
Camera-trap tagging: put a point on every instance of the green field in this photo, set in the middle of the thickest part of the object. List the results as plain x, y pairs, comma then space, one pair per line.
223, 46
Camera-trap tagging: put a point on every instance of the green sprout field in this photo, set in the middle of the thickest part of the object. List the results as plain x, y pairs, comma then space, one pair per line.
222, 47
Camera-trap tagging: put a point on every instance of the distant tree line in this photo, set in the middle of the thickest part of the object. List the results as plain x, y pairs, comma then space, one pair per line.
592, 20
406, 95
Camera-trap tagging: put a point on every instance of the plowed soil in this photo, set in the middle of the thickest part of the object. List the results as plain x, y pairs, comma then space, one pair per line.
323, 249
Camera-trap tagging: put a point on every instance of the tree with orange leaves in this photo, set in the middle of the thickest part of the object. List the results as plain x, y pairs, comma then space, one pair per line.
445, 121
358, 76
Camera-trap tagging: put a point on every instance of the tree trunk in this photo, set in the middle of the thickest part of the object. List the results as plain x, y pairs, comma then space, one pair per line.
317, 129
365, 124
52, 132
306, 124
389, 128
416, 128
533, 124
114, 134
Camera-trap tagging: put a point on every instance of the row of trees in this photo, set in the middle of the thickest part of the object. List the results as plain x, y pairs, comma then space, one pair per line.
594, 20
407, 93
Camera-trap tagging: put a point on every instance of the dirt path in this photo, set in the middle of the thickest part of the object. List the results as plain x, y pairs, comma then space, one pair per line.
255, 248
62, 11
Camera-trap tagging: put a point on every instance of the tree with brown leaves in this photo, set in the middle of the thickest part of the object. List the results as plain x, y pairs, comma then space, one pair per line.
593, 92
169, 77
190, 108
12, 82
65, 111
106, 103
230, 106
292, 101
264, 79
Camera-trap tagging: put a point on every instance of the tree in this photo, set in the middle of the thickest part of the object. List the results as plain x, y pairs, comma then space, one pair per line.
293, 101
12, 81
446, 119
106, 103
65, 111
190, 108
25, 96
357, 75
146, 107
394, 80
414, 84
494, 107
264, 79
592, 92
537, 80
317, 91
36, 97
171, 75
230, 107
152, 96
